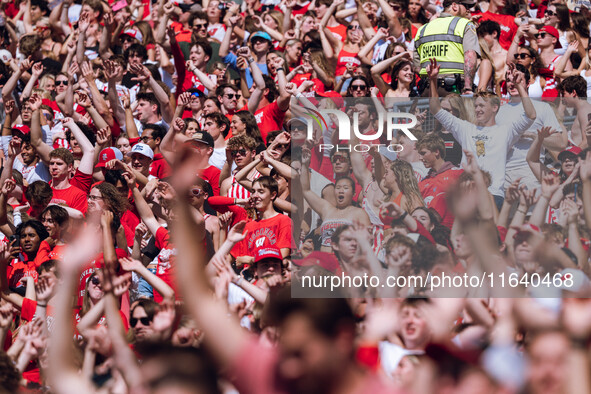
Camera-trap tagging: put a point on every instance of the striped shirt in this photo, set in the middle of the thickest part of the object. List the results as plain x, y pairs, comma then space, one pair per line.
239, 191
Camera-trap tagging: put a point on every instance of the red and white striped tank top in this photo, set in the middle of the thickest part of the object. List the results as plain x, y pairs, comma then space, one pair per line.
237, 190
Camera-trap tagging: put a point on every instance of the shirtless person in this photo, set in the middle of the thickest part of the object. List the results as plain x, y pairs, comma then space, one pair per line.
574, 91
490, 31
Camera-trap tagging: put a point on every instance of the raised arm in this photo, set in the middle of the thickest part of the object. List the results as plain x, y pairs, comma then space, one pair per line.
225, 338
316, 202
42, 149
533, 154
112, 70
132, 265
87, 161
382, 67
141, 205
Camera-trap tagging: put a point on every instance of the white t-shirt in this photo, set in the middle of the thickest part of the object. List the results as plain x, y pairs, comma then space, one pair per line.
511, 112
490, 144
218, 158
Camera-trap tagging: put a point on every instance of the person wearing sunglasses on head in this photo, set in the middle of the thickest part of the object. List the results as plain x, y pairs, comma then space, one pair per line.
457, 52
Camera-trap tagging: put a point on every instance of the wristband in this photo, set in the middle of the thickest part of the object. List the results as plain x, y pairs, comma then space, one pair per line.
403, 216
299, 94
251, 59
280, 69
42, 305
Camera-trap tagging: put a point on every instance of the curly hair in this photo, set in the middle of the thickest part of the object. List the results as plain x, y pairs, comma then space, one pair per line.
114, 201
10, 376
245, 141
407, 183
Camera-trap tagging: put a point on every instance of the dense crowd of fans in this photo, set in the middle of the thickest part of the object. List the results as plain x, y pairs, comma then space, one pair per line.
171, 172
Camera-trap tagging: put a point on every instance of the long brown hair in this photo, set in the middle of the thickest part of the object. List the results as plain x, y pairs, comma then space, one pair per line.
407, 183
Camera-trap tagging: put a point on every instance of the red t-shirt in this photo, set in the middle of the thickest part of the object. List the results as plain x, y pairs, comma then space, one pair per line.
508, 26
19, 269
275, 231
72, 197
166, 256
269, 118
160, 167
212, 175
93, 266
440, 183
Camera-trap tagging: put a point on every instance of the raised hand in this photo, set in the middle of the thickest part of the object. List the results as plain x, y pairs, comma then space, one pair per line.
178, 125
164, 318
38, 70
550, 183
545, 132
68, 122
244, 52
103, 136
125, 100
84, 22
14, 148
141, 230
8, 186
570, 209
225, 219
433, 69
528, 198
9, 106
35, 102
87, 72
471, 166
6, 315
130, 265
142, 72
236, 233
106, 218
184, 99
391, 209
121, 284
166, 191
44, 288
84, 100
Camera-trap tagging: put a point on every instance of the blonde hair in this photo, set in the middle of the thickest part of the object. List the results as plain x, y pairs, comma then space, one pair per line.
277, 16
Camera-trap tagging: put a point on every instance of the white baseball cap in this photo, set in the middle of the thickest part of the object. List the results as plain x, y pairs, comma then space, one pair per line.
142, 149
5, 55
133, 33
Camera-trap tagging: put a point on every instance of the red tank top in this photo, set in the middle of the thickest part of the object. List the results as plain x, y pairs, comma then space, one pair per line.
343, 59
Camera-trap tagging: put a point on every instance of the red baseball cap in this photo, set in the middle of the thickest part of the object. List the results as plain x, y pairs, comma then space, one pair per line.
573, 149
21, 128
553, 32
325, 260
267, 252
107, 155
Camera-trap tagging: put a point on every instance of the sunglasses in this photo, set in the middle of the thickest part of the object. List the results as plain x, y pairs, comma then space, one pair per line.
58, 83
197, 192
127, 38
540, 35
231, 96
396, 7
241, 152
145, 321
95, 280
549, 13
339, 159
200, 26
358, 87
145, 138
521, 56
353, 27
